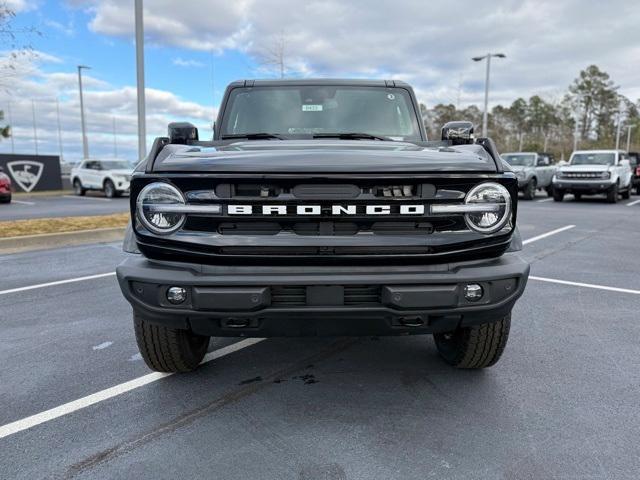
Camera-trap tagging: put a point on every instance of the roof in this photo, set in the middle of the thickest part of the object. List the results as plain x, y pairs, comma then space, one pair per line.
320, 81
612, 150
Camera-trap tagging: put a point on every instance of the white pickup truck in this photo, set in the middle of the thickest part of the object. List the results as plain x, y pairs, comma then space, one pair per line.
592, 172
109, 176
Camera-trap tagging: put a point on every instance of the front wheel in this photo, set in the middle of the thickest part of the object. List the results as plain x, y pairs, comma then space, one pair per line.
626, 195
530, 189
558, 195
612, 195
109, 189
77, 188
167, 349
478, 346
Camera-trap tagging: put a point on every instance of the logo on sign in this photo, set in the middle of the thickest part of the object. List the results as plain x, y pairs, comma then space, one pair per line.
26, 173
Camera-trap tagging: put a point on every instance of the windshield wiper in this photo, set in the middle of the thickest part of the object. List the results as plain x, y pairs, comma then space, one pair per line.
252, 136
352, 136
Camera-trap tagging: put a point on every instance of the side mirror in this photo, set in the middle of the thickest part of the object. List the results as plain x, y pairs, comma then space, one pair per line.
625, 163
182, 133
458, 133
1, 169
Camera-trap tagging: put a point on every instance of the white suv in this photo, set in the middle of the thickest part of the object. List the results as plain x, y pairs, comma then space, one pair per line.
594, 171
110, 176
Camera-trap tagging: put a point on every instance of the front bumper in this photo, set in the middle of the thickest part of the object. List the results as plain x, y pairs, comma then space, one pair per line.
310, 301
593, 186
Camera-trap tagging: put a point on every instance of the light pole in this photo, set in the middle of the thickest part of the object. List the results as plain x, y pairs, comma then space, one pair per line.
142, 127
485, 115
629, 137
59, 130
13, 150
35, 126
85, 143
115, 139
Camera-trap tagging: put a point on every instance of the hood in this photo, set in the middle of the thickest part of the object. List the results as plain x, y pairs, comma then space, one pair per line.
584, 168
323, 156
520, 168
122, 171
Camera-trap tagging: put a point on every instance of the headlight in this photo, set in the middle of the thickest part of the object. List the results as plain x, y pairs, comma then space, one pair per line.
492, 195
606, 174
154, 208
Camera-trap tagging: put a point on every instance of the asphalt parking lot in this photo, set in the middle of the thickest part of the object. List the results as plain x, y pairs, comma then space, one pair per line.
78, 402
69, 205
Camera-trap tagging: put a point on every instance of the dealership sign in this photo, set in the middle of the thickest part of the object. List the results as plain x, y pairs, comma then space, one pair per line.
32, 172
26, 173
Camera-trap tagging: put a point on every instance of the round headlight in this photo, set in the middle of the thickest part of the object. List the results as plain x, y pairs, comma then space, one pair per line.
154, 208
498, 202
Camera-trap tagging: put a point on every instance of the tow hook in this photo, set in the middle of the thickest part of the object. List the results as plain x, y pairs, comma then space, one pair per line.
236, 322
411, 321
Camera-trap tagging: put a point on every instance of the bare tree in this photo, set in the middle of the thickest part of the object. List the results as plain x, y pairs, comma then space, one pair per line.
273, 54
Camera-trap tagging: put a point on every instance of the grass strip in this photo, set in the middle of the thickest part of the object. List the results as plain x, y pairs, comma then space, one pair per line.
36, 226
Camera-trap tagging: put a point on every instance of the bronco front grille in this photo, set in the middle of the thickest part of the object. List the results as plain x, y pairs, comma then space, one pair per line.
346, 227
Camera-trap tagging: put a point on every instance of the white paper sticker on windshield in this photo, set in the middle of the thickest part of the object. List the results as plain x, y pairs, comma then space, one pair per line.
311, 108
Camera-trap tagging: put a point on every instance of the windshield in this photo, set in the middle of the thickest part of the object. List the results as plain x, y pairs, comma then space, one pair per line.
519, 160
303, 111
115, 165
593, 159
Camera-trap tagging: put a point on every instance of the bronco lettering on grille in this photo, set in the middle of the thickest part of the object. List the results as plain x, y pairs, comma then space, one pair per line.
337, 210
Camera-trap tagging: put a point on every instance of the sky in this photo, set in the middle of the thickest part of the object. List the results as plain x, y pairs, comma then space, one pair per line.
194, 48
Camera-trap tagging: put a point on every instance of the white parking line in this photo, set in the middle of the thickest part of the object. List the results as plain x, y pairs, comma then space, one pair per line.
22, 202
548, 234
59, 282
633, 203
585, 285
106, 394
544, 200
77, 197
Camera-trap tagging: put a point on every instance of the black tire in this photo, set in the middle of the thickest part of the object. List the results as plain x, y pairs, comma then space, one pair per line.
479, 346
167, 349
626, 195
109, 189
558, 195
530, 189
549, 190
577, 196
6, 199
612, 194
77, 188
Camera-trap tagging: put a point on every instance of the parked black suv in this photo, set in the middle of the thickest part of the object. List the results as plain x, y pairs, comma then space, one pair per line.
320, 208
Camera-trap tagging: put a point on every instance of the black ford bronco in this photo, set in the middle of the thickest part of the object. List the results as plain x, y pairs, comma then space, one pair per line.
320, 208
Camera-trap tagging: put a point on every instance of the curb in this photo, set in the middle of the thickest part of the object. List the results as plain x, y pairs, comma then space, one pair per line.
53, 240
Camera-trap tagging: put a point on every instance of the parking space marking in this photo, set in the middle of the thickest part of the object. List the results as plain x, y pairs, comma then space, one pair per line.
544, 200
630, 204
106, 394
548, 234
77, 197
58, 282
585, 285
22, 202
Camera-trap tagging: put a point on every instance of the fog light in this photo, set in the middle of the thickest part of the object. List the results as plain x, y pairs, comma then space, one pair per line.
473, 292
176, 295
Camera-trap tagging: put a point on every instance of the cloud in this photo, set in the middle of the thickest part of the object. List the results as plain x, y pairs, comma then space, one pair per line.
428, 44
32, 87
180, 62
67, 29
